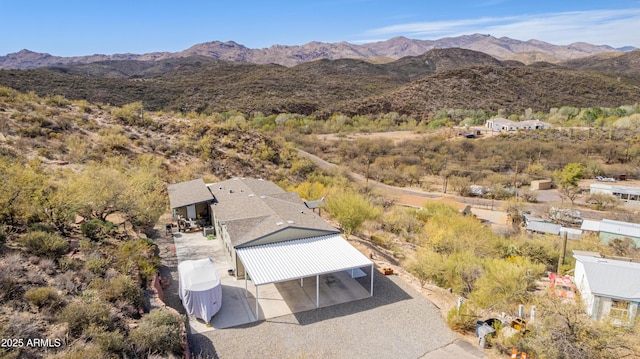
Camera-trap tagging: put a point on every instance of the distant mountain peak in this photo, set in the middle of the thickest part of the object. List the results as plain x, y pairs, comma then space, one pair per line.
503, 48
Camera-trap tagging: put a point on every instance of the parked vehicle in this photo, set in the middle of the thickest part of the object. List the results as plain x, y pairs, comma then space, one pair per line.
562, 286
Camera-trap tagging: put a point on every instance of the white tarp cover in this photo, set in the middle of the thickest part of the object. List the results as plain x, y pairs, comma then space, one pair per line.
200, 288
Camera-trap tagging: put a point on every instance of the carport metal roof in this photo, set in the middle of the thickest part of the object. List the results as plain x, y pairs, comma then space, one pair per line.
284, 261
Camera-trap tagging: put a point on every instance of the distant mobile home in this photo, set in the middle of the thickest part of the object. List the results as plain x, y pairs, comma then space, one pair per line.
503, 124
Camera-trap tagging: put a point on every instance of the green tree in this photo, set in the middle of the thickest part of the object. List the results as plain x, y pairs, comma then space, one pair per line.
21, 190
103, 190
571, 174
351, 209
568, 179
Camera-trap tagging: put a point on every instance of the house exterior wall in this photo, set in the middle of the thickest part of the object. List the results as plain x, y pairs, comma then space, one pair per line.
607, 309
607, 237
582, 285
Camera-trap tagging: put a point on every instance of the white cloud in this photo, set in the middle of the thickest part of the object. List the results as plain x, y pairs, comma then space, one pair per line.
611, 27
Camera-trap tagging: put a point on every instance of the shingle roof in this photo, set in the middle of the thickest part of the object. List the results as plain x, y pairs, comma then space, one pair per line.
612, 278
190, 192
252, 208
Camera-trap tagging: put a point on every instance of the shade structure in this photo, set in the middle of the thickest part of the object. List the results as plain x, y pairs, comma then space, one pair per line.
199, 288
295, 259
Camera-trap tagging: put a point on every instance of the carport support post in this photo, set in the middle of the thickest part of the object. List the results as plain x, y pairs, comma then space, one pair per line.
372, 280
317, 291
257, 313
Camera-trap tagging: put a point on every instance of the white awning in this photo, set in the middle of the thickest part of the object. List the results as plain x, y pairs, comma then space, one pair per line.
283, 261
297, 259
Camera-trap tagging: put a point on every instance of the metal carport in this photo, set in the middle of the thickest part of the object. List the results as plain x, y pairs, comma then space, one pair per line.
297, 259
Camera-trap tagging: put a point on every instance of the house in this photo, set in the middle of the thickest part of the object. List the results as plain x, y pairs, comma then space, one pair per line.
271, 236
608, 230
503, 124
609, 288
251, 212
625, 193
500, 124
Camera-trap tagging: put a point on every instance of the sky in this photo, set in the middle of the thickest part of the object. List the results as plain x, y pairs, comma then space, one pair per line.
87, 27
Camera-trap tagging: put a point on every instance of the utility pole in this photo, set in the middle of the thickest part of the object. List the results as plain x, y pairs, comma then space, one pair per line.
515, 178
562, 254
444, 178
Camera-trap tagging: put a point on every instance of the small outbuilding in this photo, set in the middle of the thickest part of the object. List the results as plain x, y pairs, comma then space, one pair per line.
541, 184
199, 288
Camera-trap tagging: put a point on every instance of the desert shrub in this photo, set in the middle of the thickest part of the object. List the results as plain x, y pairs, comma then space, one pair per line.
160, 333
351, 209
121, 287
96, 229
81, 350
111, 342
67, 264
66, 282
45, 244
401, 221
56, 100
529, 196
23, 325
44, 297
463, 320
48, 266
506, 281
130, 114
97, 265
3, 236
538, 249
14, 264
80, 316
136, 256
39, 226
10, 288
382, 240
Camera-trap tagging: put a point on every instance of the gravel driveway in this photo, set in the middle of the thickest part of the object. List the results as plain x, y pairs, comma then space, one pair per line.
396, 322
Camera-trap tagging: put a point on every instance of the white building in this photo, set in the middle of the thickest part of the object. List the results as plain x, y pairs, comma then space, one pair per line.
503, 124
625, 193
609, 288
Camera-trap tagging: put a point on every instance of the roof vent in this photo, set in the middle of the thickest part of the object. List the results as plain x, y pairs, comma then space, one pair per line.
263, 197
279, 223
251, 195
230, 191
291, 222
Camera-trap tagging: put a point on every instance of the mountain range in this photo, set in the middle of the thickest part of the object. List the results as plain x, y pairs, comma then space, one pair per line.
384, 51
